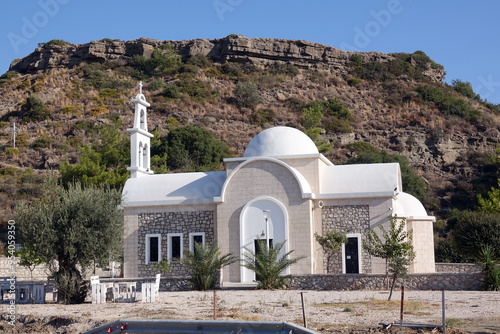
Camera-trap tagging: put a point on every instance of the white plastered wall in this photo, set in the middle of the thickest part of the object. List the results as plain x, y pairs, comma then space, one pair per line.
423, 244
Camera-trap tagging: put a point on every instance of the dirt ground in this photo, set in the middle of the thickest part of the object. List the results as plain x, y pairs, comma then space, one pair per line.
326, 311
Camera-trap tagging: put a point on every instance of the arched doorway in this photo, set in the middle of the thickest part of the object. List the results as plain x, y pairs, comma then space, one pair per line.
263, 218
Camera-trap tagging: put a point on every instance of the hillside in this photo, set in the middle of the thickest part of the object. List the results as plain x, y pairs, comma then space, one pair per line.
62, 95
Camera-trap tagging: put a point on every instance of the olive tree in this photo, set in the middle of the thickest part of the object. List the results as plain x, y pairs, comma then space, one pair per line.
71, 228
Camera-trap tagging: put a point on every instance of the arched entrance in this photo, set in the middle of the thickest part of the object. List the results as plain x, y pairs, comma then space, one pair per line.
263, 218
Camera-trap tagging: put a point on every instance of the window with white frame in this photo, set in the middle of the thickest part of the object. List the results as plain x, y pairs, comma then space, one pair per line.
153, 248
196, 238
175, 246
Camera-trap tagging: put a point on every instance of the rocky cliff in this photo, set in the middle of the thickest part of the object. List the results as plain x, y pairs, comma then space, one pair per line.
235, 48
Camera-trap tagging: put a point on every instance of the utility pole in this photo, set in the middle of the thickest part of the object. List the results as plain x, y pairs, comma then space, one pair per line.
14, 132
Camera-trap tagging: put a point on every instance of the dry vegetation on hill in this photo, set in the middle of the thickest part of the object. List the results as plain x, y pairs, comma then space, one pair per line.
71, 103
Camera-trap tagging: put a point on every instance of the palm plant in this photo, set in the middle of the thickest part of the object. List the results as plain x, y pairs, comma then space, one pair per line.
268, 265
491, 269
204, 263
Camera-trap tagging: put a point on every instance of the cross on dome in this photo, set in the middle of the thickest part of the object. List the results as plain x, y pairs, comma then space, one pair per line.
140, 87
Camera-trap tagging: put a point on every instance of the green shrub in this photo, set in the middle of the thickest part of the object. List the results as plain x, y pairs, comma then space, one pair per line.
42, 142
333, 107
34, 110
353, 81
362, 146
200, 60
54, 42
193, 148
446, 102
418, 59
109, 40
8, 77
156, 84
465, 88
171, 91
318, 77
199, 90
247, 94
312, 116
22, 139
160, 63
109, 93
278, 68
356, 60
98, 111
12, 151
269, 81
335, 125
295, 104
101, 77
10, 171
172, 122
232, 69
262, 116
412, 65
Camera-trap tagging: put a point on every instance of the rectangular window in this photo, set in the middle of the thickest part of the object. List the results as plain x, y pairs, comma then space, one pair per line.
196, 238
175, 245
153, 248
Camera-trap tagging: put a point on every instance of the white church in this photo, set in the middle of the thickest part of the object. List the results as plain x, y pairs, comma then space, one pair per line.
281, 189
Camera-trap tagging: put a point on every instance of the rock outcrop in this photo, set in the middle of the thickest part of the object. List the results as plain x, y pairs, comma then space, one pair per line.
234, 48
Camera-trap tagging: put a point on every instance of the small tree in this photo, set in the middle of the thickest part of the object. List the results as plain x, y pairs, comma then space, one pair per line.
395, 247
204, 264
331, 242
29, 260
268, 264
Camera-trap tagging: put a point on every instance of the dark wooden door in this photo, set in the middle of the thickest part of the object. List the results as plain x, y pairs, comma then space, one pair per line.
351, 256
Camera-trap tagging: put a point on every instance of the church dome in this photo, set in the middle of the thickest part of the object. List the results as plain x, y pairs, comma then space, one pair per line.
280, 141
407, 205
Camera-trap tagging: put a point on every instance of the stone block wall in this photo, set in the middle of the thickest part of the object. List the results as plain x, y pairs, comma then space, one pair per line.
459, 267
346, 219
433, 281
172, 222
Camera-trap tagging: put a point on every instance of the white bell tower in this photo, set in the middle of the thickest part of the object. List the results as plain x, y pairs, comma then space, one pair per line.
140, 138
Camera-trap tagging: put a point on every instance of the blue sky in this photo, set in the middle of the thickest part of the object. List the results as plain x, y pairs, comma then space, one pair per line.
464, 36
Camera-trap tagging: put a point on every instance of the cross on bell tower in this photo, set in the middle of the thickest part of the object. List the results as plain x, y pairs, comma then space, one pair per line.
140, 138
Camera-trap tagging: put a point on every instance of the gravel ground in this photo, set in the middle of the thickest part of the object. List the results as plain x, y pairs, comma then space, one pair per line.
326, 311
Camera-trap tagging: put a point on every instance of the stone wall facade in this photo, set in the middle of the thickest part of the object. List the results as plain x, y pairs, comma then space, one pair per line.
347, 219
172, 222
434, 281
459, 267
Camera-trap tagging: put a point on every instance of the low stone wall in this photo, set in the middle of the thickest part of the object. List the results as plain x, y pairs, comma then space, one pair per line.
459, 268
434, 281
22, 273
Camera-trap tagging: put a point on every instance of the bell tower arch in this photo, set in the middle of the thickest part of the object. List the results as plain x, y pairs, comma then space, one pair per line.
140, 138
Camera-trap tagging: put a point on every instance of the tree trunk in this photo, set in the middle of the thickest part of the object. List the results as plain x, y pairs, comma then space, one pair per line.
70, 284
394, 277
